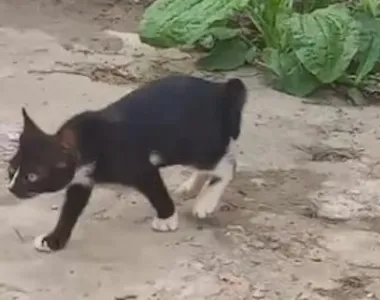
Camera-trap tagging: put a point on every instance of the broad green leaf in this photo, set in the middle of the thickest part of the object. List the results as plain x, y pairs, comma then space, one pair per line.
218, 33
368, 59
224, 33
226, 55
325, 41
169, 23
291, 75
371, 7
369, 51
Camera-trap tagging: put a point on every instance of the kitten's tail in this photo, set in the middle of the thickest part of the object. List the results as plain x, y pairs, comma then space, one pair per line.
235, 97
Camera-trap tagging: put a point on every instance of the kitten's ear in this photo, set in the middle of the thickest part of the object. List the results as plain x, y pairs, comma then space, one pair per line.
29, 124
67, 138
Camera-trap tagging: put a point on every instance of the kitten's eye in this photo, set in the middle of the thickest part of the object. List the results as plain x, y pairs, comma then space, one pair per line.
32, 177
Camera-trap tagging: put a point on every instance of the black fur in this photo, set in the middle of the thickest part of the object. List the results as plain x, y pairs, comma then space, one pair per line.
188, 120
185, 120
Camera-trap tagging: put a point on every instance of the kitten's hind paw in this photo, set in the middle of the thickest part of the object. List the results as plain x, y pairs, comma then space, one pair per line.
41, 245
164, 225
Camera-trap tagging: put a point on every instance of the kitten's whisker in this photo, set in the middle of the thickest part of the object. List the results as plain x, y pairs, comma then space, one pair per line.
14, 178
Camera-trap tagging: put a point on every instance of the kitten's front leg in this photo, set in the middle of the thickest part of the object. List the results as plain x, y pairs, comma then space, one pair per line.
152, 186
77, 196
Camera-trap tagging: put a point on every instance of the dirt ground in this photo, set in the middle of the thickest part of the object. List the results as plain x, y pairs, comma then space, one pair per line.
301, 220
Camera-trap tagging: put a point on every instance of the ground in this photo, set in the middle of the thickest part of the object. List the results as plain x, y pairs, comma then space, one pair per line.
300, 221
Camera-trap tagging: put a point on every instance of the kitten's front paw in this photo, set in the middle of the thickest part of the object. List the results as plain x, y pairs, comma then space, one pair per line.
205, 206
169, 224
49, 243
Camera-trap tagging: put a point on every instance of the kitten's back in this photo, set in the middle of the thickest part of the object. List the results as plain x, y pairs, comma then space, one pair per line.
180, 99
188, 120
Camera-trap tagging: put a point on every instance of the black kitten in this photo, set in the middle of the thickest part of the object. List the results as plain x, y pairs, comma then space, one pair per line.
178, 120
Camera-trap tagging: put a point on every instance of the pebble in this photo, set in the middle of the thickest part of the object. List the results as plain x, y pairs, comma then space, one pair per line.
333, 208
54, 207
258, 294
258, 181
315, 256
370, 295
258, 244
274, 245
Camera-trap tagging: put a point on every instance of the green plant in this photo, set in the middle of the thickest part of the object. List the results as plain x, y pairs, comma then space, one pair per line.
170, 23
369, 50
266, 17
371, 7
228, 54
307, 6
305, 44
319, 48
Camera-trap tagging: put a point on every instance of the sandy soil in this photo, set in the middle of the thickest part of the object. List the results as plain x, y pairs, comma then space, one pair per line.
301, 220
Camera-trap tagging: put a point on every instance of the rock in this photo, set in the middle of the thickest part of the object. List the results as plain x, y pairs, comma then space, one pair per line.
274, 245
257, 244
335, 207
370, 295
258, 181
258, 294
54, 207
315, 255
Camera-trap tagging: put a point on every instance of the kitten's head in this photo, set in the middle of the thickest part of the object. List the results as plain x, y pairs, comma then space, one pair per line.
43, 163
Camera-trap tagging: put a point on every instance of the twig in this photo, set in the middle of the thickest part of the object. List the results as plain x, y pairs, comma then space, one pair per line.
126, 297
52, 71
99, 212
19, 235
11, 288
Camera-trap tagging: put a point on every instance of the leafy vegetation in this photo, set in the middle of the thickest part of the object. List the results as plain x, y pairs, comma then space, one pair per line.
304, 44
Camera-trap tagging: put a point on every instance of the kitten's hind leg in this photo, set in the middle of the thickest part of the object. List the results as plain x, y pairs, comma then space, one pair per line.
192, 186
223, 173
151, 185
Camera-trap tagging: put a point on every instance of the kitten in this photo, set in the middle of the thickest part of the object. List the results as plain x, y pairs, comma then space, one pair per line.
177, 120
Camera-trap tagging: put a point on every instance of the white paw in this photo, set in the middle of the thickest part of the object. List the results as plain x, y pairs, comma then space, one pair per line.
205, 206
41, 245
169, 224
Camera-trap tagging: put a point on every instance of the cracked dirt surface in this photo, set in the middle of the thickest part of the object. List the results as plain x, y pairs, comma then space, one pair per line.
300, 221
